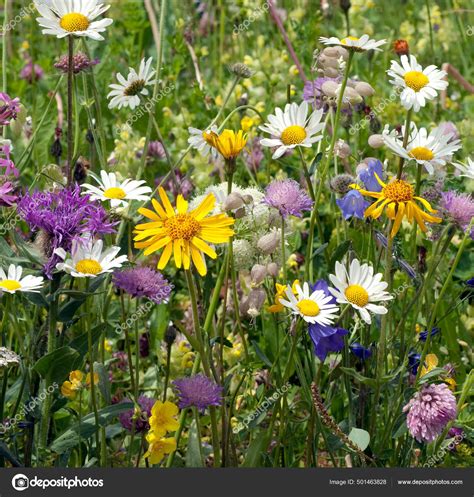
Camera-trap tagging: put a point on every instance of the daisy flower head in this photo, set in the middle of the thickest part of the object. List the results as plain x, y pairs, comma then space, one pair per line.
229, 143
313, 306
467, 170
127, 92
182, 232
12, 282
291, 128
88, 260
398, 199
353, 43
360, 288
72, 17
202, 140
417, 84
429, 150
118, 193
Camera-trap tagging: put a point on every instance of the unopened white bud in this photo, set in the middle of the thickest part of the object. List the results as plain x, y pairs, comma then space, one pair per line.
364, 89
376, 141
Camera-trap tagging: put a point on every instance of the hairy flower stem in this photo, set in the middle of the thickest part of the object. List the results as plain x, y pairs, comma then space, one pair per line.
205, 361
52, 324
283, 256
406, 136
70, 85
439, 299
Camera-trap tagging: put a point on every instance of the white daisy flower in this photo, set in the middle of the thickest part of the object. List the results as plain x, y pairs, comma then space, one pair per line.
12, 281
118, 193
127, 92
292, 128
72, 17
430, 150
467, 170
200, 140
360, 288
313, 307
417, 84
88, 260
353, 43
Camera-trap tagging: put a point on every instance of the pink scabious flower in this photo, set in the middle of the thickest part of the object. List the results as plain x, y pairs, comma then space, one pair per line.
458, 208
9, 109
288, 197
429, 411
5, 161
7, 199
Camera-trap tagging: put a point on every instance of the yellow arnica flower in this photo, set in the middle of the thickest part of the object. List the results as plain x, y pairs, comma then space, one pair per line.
181, 233
279, 294
71, 387
163, 418
158, 447
431, 362
398, 197
229, 143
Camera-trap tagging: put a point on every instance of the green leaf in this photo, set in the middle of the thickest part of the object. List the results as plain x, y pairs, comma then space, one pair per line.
356, 375
360, 437
254, 451
104, 383
70, 438
58, 364
193, 453
339, 252
80, 343
37, 299
261, 355
434, 373
315, 163
67, 311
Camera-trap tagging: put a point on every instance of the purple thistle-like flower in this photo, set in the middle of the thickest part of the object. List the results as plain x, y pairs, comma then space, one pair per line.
31, 72
80, 62
288, 197
312, 91
9, 108
326, 339
141, 421
429, 411
156, 150
198, 391
458, 208
253, 154
6, 162
63, 216
6, 199
143, 281
352, 204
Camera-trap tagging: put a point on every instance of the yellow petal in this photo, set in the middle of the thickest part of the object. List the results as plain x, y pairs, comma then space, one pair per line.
198, 261
165, 256
166, 203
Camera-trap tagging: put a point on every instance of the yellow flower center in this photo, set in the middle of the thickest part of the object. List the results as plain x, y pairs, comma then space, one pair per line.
308, 307
293, 135
134, 88
115, 192
347, 38
416, 80
421, 153
10, 284
398, 191
182, 227
357, 295
88, 266
74, 22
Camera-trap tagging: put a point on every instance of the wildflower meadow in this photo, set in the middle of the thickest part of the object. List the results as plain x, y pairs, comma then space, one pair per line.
236, 234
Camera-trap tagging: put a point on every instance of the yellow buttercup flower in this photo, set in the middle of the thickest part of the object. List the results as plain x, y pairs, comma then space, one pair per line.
229, 143
281, 293
399, 200
158, 447
431, 362
247, 123
71, 387
88, 379
163, 418
181, 233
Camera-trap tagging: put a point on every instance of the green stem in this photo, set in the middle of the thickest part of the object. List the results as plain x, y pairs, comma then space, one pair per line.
70, 82
283, 256
406, 136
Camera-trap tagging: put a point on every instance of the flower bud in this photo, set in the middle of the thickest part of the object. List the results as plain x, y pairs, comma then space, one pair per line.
401, 47
342, 149
330, 52
255, 301
340, 183
239, 213
376, 141
272, 269
364, 89
351, 96
269, 242
341, 52
248, 199
329, 88
258, 273
233, 201
241, 70
326, 62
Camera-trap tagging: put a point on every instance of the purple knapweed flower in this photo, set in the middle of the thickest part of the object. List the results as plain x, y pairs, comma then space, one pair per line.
138, 417
198, 391
458, 208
